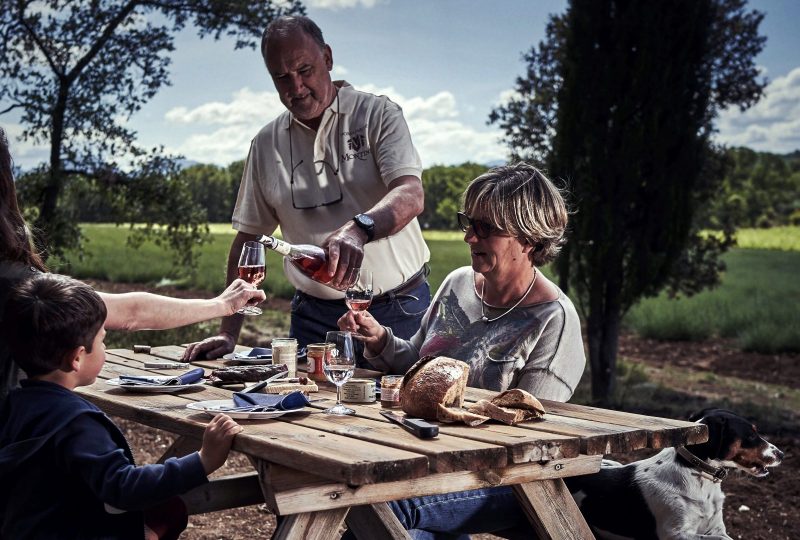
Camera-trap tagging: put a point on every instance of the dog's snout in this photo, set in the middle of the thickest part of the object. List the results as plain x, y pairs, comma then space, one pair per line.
777, 452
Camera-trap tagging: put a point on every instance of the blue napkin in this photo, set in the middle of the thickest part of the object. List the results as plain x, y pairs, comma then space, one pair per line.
256, 352
271, 402
190, 377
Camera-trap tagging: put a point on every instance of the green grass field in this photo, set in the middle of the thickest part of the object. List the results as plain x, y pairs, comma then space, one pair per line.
756, 303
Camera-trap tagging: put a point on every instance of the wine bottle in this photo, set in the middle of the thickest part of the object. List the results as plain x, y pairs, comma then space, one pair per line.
310, 260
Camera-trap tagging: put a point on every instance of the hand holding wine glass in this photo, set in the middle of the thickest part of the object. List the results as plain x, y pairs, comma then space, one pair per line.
339, 366
358, 295
253, 269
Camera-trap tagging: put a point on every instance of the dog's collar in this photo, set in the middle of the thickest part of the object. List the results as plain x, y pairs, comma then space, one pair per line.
718, 474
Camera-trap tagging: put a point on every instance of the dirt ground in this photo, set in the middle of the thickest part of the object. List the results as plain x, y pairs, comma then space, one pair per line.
755, 508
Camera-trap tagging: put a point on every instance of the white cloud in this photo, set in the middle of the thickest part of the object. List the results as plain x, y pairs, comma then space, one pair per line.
223, 130
772, 125
342, 4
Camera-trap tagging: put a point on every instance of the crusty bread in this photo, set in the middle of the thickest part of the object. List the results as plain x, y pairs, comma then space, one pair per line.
432, 385
456, 414
517, 398
510, 407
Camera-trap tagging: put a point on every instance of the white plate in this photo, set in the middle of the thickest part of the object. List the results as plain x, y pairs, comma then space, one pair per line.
212, 407
154, 388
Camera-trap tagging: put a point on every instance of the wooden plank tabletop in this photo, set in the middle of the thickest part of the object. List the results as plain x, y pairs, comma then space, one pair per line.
367, 449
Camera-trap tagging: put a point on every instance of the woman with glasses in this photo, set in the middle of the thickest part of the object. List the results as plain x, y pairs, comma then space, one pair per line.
501, 315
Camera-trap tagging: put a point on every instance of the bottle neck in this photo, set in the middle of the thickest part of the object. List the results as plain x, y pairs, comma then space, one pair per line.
274, 244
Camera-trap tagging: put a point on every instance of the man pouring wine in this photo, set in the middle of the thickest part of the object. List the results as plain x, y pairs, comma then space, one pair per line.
337, 170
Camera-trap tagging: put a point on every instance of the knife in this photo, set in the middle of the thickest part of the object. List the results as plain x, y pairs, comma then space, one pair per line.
258, 386
417, 426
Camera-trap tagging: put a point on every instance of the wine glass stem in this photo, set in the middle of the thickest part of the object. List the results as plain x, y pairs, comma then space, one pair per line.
338, 390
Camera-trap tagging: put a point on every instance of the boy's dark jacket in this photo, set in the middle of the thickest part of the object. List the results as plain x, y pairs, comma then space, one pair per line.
62, 460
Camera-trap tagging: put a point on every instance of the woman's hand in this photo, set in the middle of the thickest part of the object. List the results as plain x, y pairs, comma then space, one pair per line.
239, 294
366, 329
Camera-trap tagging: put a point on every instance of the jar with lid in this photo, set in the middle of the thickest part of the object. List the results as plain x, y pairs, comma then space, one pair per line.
315, 355
390, 391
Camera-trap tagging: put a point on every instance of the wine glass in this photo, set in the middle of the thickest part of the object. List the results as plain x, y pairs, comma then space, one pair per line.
252, 269
358, 295
339, 366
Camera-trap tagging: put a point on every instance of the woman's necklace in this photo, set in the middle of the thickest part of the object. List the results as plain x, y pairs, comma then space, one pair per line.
486, 319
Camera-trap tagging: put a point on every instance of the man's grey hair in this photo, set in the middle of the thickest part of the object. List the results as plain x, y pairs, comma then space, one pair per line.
286, 25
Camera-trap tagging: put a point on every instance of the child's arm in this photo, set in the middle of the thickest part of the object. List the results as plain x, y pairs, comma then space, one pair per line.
91, 450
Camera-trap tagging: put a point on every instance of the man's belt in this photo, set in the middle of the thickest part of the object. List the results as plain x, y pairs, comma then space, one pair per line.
403, 289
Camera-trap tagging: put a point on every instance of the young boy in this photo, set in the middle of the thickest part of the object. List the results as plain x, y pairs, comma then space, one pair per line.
66, 469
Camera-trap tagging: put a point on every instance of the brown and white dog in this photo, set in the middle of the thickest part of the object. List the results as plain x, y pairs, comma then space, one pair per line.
676, 493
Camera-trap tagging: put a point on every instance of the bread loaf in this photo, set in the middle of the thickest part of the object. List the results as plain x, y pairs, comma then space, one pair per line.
433, 385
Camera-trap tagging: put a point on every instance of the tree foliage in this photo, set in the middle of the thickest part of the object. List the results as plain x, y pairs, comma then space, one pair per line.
444, 186
76, 70
761, 189
620, 99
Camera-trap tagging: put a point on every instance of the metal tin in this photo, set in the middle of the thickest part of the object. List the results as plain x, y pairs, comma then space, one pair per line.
359, 391
315, 357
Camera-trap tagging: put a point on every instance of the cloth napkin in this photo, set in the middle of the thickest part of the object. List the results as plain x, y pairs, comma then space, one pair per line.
271, 402
255, 352
190, 377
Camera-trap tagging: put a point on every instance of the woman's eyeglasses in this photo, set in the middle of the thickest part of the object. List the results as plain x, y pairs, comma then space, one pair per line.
480, 228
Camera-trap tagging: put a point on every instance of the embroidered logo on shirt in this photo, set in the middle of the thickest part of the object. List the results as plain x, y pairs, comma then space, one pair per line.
357, 146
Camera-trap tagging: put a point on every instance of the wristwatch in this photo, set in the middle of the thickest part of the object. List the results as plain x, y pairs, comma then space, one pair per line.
366, 224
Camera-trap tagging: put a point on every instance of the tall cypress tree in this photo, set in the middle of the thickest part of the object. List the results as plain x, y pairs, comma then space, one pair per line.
638, 85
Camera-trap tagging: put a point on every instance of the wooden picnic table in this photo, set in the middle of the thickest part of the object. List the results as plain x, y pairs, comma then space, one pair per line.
318, 470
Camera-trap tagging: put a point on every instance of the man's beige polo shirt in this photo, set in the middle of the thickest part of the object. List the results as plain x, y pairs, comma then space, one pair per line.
367, 139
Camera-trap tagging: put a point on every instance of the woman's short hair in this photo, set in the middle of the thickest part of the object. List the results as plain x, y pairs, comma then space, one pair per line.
285, 25
47, 317
520, 200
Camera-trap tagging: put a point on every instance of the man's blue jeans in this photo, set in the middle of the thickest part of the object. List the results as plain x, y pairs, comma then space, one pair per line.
312, 317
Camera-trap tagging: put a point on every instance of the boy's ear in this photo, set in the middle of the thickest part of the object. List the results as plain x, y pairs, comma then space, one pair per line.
73, 359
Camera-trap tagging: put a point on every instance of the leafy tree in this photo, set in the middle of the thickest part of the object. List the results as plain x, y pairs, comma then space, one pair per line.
77, 69
212, 189
444, 186
760, 190
620, 99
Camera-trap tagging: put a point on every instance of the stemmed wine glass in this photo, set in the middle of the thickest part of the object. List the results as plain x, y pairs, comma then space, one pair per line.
358, 295
339, 366
252, 269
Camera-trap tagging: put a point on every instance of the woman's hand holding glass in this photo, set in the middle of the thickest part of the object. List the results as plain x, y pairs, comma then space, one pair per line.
364, 328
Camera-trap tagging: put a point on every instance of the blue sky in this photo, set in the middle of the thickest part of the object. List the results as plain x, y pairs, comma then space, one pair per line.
446, 62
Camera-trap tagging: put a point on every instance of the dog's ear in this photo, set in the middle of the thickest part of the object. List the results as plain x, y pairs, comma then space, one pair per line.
696, 417
717, 427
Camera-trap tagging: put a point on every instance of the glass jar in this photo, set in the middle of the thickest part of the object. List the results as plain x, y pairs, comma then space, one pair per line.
284, 351
390, 391
315, 355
